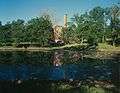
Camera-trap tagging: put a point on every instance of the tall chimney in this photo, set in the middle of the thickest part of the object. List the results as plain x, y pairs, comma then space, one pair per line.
65, 20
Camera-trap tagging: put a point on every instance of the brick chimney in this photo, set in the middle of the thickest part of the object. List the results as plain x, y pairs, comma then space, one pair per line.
65, 20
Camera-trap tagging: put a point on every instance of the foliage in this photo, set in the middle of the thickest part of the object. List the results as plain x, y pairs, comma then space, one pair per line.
71, 36
95, 26
17, 30
37, 30
5, 34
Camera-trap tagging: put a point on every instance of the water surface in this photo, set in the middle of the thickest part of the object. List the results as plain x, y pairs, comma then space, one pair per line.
57, 72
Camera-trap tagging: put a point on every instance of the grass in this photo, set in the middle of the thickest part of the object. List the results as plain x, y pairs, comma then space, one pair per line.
101, 47
6, 48
106, 47
105, 51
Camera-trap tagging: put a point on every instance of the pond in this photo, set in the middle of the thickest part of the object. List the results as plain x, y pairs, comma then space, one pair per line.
57, 71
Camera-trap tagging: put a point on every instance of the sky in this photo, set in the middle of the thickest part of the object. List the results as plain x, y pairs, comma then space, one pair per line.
27, 9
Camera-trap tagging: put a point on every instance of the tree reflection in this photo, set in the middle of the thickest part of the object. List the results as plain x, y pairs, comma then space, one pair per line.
116, 72
58, 55
68, 73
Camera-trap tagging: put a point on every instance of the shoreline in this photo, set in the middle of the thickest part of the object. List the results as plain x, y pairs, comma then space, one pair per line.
104, 54
23, 49
50, 48
102, 51
37, 48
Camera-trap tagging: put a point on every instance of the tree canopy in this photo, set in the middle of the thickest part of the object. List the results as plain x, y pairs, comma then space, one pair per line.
97, 25
36, 30
94, 26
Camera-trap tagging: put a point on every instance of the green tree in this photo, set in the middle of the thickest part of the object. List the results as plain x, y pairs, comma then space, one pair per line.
98, 18
70, 35
0, 23
39, 30
115, 22
5, 34
18, 31
90, 25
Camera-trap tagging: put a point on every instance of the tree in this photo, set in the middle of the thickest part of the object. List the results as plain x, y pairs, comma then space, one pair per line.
39, 30
5, 34
87, 26
115, 22
76, 29
98, 16
0, 23
18, 31
70, 35
0, 33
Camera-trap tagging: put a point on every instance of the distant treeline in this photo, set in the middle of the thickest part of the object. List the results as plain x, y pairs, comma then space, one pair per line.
97, 25
36, 30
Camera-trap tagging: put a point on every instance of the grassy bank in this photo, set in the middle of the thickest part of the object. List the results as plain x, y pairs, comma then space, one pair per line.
105, 51
101, 47
6, 48
102, 51
109, 48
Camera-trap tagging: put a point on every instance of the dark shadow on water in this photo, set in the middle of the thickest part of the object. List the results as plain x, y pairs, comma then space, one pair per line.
40, 86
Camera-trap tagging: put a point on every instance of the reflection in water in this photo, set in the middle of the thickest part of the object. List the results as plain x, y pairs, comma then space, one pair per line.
57, 72
116, 72
57, 58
